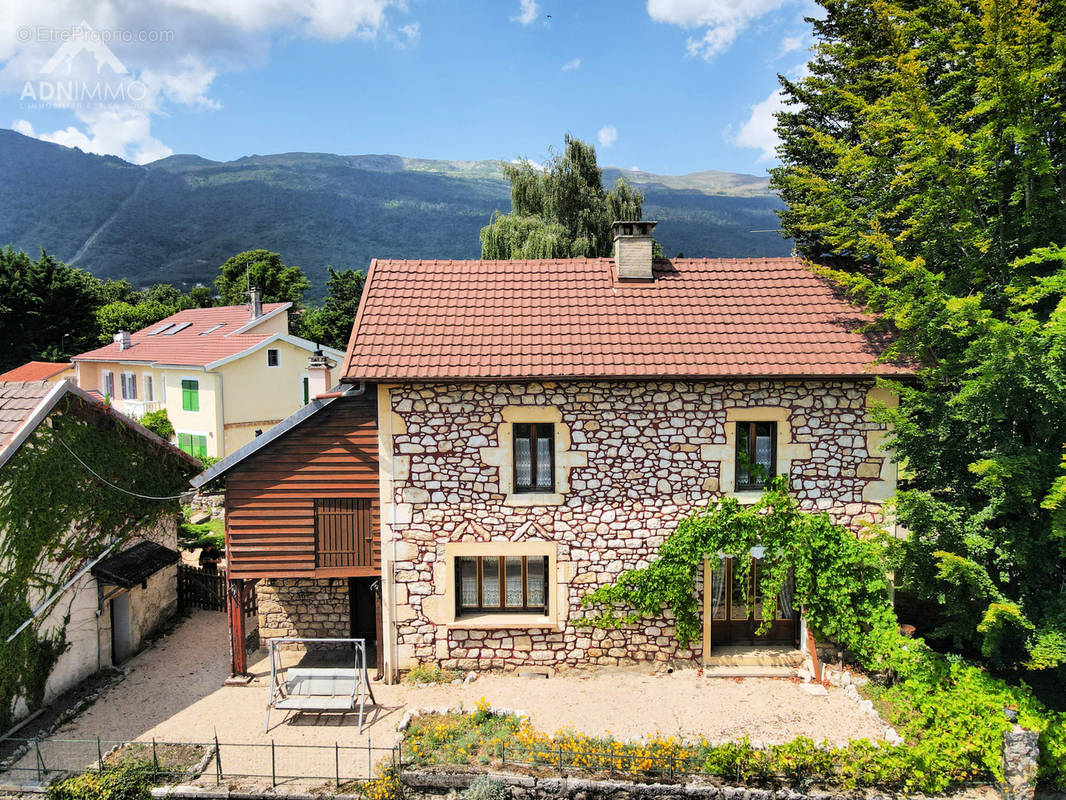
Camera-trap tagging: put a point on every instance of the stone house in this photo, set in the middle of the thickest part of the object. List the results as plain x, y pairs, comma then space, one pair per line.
542, 426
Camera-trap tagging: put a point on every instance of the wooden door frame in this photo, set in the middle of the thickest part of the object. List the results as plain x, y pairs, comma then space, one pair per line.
707, 611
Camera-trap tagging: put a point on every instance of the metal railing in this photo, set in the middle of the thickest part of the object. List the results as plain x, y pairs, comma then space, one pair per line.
47, 760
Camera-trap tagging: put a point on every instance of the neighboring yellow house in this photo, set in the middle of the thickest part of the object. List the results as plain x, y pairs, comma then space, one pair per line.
223, 374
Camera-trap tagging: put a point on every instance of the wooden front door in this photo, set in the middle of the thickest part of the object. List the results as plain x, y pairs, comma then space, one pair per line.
735, 607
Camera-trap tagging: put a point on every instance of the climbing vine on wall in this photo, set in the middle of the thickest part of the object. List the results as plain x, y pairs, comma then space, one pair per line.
839, 578
54, 516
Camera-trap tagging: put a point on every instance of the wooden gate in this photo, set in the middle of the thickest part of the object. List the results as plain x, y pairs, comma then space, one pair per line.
198, 588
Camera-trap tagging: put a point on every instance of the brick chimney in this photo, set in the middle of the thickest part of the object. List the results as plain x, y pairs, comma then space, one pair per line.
255, 302
318, 377
122, 339
632, 250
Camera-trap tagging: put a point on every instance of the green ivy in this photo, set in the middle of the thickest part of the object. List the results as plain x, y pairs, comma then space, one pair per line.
949, 711
54, 516
839, 578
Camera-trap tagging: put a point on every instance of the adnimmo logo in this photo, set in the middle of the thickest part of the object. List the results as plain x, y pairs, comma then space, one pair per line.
84, 71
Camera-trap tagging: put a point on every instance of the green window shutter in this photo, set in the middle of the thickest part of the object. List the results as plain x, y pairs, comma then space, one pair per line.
200, 448
190, 395
307, 391
185, 442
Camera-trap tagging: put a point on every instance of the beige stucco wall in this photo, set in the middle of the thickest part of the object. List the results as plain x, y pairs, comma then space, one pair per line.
258, 396
208, 420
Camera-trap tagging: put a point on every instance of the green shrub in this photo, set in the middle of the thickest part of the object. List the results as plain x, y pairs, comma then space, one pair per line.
130, 780
485, 788
159, 423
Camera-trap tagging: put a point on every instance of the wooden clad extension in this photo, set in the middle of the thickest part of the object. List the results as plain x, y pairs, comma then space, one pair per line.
306, 505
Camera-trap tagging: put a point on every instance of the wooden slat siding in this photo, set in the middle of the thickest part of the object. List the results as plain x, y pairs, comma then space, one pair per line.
270, 497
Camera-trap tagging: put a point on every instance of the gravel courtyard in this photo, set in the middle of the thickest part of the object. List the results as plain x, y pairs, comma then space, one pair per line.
175, 693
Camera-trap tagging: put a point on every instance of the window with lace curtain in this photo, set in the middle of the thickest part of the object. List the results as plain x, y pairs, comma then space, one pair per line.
501, 583
756, 456
534, 457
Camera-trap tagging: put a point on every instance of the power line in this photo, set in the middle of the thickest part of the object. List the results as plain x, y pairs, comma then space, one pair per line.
116, 487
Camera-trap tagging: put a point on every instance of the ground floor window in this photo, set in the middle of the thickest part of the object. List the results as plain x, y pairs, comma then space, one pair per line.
193, 444
501, 583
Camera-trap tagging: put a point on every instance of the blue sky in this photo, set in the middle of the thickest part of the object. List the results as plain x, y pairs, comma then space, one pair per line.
668, 86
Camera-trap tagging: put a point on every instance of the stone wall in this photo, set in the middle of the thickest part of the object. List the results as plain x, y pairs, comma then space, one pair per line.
303, 607
636, 457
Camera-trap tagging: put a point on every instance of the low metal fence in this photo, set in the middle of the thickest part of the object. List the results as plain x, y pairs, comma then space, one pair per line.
42, 761
565, 759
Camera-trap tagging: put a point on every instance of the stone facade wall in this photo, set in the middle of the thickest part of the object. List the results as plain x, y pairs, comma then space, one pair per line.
643, 455
303, 607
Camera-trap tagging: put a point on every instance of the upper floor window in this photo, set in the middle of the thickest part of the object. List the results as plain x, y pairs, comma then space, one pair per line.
756, 457
108, 384
534, 457
190, 394
129, 386
273, 357
149, 390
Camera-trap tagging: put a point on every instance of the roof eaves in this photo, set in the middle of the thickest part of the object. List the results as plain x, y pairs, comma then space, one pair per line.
274, 337
259, 442
260, 319
31, 422
367, 284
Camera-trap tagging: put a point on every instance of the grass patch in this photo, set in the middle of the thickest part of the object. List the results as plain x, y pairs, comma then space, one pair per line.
206, 534
431, 673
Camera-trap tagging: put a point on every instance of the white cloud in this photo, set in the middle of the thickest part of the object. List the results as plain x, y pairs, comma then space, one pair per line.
758, 131
412, 33
573, 63
116, 131
722, 20
790, 44
607, 135
171, 53
527, 13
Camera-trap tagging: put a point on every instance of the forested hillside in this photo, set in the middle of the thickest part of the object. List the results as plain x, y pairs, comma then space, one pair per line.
177, 219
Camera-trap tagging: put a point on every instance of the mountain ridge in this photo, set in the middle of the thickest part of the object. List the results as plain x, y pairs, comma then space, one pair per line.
177, 219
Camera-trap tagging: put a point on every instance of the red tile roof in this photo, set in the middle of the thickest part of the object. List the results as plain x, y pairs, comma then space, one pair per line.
463, 320
36, 371
18, 401
193, 346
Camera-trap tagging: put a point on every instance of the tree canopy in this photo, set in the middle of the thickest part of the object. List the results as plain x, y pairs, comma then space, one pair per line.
560, 210
261, 268
331, 323
924, 163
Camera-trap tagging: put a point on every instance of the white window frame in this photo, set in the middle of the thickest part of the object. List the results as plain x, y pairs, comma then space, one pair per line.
129, 382
106, 377
273, 350
149, 388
